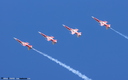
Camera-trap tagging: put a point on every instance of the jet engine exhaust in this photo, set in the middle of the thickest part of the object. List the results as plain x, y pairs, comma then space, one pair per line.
119, 33
64, 65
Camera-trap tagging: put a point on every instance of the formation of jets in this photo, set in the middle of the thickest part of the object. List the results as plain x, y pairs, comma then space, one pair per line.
73, 31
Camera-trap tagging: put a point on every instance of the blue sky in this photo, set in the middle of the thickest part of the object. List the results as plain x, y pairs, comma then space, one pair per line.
100, 54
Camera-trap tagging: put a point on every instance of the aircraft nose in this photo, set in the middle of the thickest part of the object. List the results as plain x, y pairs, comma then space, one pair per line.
63, 24
92, 17
39, 32
15, 38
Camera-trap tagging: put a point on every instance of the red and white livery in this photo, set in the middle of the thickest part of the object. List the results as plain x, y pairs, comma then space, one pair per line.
49, 38
24, 43
73, 31
102, 23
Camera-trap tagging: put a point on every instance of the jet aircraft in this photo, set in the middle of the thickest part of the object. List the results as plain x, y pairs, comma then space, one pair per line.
24, 43
49, 38
73, 31
102, 23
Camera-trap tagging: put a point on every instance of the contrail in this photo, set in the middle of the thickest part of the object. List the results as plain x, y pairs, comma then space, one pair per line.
64, 65
119, 33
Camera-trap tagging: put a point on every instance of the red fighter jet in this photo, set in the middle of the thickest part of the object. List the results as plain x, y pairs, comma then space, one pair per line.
24, 43
49, 38
73, 31
102, 23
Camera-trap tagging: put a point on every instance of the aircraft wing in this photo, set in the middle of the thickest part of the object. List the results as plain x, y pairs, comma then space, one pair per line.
105, 22
72, 32
51, 37
48, 39
101, 24
76, 29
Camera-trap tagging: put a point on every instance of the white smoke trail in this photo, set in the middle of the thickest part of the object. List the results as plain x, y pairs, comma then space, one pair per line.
119, 33
64, 65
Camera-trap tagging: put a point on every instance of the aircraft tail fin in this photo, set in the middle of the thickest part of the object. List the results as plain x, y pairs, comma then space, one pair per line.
108, 26
78, 34
29, 47
54, 41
